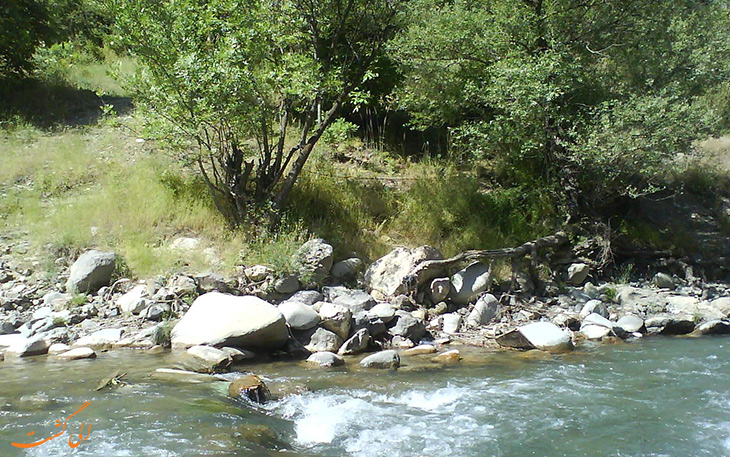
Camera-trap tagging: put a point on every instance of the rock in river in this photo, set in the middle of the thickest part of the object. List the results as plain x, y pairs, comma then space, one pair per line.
384, 359
537, 335
218, 319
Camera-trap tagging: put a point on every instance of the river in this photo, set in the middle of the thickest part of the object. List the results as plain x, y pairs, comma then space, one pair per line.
653, 397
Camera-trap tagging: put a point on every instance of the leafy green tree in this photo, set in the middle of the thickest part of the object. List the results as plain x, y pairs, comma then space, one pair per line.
24, 24
565, 90
253, 84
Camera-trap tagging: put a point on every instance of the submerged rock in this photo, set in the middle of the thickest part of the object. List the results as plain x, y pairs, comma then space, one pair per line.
384, 360
77, 354
217, 319
251, 387
419, 350
325, 359
448, 357
206, 359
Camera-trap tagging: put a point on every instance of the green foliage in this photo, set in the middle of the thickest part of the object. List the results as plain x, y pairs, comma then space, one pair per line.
624, 274
78, 300
29, 24
339, 133
225, 79
596, 97
25, 24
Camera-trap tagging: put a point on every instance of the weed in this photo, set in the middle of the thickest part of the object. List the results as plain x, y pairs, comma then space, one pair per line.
78, 300
624, 273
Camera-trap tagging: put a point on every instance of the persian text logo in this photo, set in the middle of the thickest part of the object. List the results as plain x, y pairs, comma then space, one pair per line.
63, 430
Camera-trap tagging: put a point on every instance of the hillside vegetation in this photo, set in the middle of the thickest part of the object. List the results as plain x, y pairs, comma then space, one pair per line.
456, 124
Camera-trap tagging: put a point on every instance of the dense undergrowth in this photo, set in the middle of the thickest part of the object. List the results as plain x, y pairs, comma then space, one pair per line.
80, 171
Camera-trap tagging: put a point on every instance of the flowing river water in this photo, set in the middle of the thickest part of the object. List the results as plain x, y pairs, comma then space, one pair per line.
653, 397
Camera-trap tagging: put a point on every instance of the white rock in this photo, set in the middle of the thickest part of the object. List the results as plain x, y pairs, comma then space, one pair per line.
325, 359
630, 323
218, 319
323, 340
594, 332
78, 353
133, 302
469, 283
387, 276
383, 311
663, 281
485, 310
257, 273
451, 323
36, 345
100, 339
578, 273
546, 336
356, 344
58, 348
594, 306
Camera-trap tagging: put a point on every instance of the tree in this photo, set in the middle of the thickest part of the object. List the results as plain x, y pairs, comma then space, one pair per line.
559, 90
241, 79
25, 24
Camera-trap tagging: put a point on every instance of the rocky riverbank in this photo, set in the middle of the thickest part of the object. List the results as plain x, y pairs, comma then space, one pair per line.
325, 312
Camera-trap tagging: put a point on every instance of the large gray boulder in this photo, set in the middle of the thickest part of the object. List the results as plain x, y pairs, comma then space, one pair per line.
469, 283
537, 335
298, 315
388, 275
384, 359
217, 319
485, 310
91, 271
312, 262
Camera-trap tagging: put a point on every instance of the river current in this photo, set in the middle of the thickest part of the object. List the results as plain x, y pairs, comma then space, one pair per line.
652, 397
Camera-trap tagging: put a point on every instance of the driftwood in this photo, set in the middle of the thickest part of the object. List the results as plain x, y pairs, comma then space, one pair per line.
428, 269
